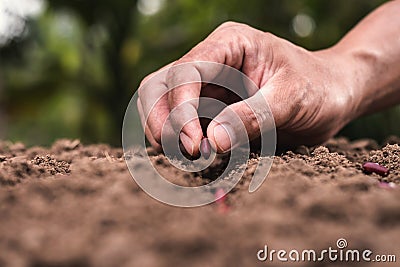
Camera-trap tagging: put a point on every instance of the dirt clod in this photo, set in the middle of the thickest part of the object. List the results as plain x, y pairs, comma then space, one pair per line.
51, 165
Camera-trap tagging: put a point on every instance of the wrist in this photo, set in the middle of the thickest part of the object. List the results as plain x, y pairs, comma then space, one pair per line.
362, 65
355, 67
345, 84
371, 77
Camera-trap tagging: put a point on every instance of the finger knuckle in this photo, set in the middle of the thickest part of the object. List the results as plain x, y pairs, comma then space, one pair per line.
157, 135
250, 120
140, 92
268, 36
145, 79
254, 124
228, 24
142, 85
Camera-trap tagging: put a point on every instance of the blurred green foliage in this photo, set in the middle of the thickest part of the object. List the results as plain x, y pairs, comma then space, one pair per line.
73, 71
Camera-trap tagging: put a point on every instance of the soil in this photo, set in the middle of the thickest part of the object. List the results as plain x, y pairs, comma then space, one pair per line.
77, 205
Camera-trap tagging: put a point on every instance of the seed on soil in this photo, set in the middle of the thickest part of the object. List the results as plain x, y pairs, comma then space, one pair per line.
370, 167
220, 195
220, 199
205, 148
385, 185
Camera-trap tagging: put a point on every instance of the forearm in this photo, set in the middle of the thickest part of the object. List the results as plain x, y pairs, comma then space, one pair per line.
371, 56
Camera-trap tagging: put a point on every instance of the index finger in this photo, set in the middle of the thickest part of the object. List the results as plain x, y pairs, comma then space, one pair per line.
186, 82
185, 79
154, 106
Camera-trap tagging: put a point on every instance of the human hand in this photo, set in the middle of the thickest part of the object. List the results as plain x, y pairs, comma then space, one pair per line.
309, 93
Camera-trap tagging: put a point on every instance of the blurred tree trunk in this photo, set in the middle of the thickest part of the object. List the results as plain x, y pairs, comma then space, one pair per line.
118, 18
2, 117
116, 103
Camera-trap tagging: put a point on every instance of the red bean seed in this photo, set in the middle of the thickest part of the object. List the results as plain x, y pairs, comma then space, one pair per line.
220, 199
205, 148
220, 195
385, 185
370, 167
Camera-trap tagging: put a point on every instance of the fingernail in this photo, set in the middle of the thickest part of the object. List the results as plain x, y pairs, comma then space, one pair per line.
224, 137
187, 143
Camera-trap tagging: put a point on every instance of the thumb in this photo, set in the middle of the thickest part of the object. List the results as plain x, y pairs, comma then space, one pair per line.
241, 122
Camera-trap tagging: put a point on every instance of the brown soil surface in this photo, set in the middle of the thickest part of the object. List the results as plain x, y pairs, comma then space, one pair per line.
76, 205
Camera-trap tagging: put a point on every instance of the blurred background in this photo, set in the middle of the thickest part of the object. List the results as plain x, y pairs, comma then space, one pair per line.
68, 68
